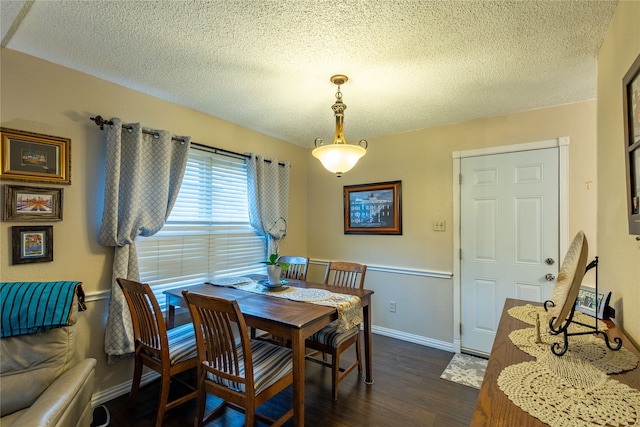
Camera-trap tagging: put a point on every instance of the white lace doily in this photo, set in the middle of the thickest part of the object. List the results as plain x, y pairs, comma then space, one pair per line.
309, 294
230, 281
527, 314
568, 392
587, 347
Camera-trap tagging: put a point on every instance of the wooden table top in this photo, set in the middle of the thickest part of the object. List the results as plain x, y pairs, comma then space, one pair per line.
493, 407
295, 314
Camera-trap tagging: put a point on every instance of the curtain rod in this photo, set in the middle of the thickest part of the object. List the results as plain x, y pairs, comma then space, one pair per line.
99, 121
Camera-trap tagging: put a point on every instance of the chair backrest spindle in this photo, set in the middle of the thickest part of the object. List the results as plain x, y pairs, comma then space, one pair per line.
297, 269
214, 319
148, 322
346, 274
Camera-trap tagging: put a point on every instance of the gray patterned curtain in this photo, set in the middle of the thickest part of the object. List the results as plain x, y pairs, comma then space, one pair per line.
143, 177
268, 190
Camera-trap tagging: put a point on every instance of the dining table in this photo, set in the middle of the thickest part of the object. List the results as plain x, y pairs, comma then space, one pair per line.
294, 321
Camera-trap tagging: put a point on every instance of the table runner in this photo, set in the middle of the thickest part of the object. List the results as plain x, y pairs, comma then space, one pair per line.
348, 306
569, 392
587, 347
573, 389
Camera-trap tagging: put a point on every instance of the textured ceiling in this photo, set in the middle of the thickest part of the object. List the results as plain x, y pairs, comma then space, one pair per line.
266, 64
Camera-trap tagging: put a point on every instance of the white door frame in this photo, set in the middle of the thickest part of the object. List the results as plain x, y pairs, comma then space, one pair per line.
562, 144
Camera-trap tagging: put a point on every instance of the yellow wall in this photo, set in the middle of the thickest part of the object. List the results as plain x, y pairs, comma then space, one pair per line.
619, 252
42, 97
423, 161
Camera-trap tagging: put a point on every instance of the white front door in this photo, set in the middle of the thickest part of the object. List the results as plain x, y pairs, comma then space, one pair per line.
509, 243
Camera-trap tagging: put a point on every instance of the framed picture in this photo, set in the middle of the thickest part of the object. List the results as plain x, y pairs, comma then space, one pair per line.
32, 203
32, 244
373, 208
33, 157
631, 104
593, 304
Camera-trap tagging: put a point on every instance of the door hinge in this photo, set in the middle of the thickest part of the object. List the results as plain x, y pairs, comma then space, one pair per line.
460, 254
460, 328
460, 179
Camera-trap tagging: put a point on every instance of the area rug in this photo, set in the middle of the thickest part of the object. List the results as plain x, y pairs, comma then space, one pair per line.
466, 370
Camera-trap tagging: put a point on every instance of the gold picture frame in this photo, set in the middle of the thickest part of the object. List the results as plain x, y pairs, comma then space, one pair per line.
32, 203
29, 156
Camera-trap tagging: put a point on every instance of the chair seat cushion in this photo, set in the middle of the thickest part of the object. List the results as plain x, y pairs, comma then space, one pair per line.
330, 336
182, 343
270, 363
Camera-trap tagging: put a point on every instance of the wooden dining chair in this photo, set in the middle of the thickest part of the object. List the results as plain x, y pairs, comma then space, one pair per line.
297, 267
166, 352
328, 340
244, 373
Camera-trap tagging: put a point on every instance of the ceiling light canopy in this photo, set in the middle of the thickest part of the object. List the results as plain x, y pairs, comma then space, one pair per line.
339, 157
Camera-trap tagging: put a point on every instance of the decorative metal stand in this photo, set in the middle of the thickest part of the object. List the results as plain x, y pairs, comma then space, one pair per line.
564, 328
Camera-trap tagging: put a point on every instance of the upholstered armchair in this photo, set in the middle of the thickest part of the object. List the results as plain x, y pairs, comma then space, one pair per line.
42, 383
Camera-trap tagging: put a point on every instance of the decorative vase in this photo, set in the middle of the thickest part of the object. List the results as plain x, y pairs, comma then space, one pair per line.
274, 272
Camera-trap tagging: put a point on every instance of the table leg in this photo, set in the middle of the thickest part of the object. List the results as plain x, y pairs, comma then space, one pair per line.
297, 348
171, 314
368, 359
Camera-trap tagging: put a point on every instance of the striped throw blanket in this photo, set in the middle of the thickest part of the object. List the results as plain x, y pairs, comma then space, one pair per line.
32, 307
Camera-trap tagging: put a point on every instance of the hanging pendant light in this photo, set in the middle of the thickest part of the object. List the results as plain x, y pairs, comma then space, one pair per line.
339, 157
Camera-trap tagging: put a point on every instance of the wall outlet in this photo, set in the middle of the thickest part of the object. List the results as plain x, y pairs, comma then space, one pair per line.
439, 225
392, 306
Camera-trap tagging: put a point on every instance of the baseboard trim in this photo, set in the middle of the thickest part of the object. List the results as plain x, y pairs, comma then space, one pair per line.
416, 339
114, 392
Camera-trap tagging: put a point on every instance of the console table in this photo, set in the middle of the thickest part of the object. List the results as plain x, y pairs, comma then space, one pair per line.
493, 407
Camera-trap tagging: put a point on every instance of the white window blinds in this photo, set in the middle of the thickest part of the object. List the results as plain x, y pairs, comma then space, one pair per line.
208, 232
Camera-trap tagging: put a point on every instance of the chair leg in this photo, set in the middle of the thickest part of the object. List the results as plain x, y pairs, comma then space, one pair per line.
164, 397
202, 402
135, 383
335, 374
359, 356
249, 417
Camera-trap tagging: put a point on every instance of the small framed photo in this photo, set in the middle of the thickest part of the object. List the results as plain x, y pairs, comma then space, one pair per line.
32, 244
33, 157
593, 304
32, 203
373, 208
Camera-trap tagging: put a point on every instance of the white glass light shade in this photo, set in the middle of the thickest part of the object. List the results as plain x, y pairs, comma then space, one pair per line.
339, 158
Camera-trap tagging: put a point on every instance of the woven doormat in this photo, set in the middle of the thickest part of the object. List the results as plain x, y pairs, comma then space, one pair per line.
466, 370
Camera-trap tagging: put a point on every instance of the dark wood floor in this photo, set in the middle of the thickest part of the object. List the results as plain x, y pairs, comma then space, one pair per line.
408, 391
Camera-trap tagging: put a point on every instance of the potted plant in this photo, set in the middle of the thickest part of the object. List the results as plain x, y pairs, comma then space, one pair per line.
275, 267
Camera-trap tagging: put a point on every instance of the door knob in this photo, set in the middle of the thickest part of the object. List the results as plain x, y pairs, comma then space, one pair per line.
550, 277
549, 261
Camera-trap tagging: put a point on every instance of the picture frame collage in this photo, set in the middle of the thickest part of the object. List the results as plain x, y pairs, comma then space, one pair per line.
36, 158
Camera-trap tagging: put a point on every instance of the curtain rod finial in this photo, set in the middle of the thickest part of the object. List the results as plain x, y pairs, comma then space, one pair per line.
100, 121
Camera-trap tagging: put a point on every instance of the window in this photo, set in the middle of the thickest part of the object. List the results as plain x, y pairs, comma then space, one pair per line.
208, 232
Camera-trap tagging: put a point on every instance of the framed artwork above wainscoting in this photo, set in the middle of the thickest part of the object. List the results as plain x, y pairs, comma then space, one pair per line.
29, 156
373, 208
32, 244
32, 203
631, 104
